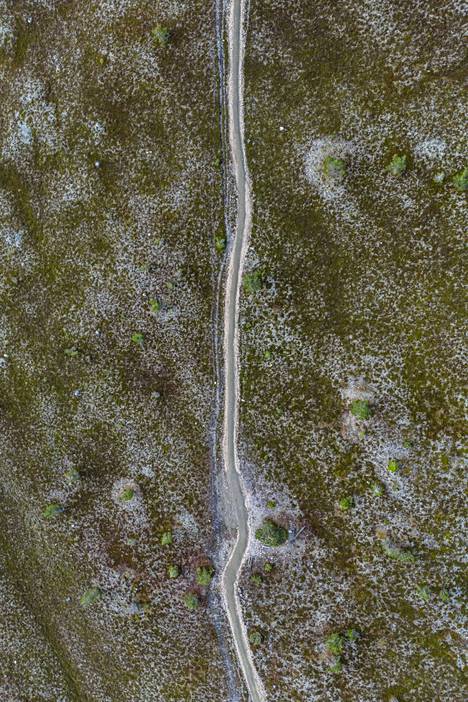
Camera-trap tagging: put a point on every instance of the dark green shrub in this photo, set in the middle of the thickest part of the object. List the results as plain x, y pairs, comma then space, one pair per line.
377, 489
161, 35
336, 666
166, 538
346, 503
460, 180
127, 494
204, 575
335, 644
191, 600
397, 165
444, 595
255, 637
423, 592
271, 534
333, 167
252, 282
52, 510
173, 571
138, 338
220, 243
360, 409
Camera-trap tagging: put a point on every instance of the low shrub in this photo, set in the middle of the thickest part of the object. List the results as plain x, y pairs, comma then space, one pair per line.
52, 510
333, 167
397, 165
460, 180
204, 575
191, 600
161, 35
271, 534
166, 538
90, 596
360, 409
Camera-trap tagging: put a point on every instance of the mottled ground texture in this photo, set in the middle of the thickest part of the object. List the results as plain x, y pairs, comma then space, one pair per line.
110, 200
361, 299
110, 207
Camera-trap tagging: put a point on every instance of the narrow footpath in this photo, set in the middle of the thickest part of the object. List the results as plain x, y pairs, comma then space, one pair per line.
235, 484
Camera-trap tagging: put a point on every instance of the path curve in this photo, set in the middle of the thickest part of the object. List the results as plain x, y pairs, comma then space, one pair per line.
235, 485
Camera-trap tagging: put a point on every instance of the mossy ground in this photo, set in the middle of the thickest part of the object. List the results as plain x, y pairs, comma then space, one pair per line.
110, 197
362, 300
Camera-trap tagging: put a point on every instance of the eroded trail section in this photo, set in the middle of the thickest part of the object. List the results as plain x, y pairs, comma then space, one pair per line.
235, 486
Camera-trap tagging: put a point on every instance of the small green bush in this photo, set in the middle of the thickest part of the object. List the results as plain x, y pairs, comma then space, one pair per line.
137, 338
335, 644
155, 305
271, 504
191, 600
333, 167
204, 575
268, 567
377, 489
52, 510
220, 243
72, 475
90, 596
256, 579
393, 466
397, 165
460, 180
173, 571
166, 538
255, 637
253, 282
360, 409
71, 352
161, 35
346, 503
423, 592
127, 494
397, 553
271, 534
336, 666
444, 595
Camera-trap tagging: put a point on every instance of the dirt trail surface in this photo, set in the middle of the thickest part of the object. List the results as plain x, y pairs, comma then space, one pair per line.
231, 355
